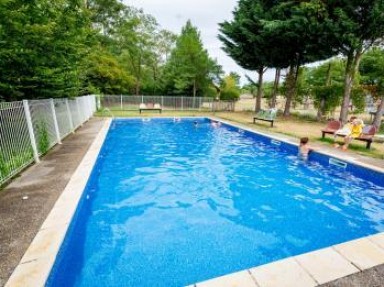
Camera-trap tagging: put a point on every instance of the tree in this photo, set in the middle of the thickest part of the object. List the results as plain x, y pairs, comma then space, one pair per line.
105, 15
355, 27
106, 75
189, 68
43, 47
324, 82
277, 34
244, 41
372, 71
297, 33
134, 39
230, 87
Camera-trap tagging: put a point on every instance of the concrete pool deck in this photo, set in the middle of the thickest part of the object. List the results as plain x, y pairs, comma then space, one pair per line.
301, 270
42, 184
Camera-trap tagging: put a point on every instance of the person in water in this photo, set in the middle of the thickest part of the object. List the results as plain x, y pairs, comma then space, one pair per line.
215, 124
304, 148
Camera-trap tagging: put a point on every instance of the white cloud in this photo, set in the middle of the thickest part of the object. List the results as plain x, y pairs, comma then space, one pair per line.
205, 15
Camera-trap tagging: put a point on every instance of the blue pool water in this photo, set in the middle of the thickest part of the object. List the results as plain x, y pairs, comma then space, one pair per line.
170, 204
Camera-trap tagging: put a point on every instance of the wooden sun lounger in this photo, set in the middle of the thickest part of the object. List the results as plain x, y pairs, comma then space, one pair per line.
144, 107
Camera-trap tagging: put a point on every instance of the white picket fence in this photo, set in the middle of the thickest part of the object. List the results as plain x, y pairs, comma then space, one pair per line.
170, 103
30, 128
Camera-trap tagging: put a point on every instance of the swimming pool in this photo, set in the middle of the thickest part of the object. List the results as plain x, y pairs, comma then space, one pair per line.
171, 203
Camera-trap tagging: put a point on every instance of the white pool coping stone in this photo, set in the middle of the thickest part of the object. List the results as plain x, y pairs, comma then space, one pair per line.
305, 270
37, 262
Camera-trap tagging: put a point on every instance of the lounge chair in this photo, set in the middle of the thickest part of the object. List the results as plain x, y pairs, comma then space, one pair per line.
266, 115
331, 128
150, 107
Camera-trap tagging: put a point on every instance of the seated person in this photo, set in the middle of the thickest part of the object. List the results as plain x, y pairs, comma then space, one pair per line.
346, 129
355, 131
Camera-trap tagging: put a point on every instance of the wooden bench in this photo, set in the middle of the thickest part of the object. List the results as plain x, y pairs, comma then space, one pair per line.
144, 107
265, 115
331, 128
366, 136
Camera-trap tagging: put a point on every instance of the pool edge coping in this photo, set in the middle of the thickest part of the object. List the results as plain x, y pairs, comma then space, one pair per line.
36, 264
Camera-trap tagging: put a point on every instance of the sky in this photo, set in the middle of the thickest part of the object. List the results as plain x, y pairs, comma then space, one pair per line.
205, 15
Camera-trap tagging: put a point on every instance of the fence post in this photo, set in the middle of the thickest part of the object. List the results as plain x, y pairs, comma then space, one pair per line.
182, 103
55, 124
162, 102
121, 102
79, 112
30, 130
97, 103
88, 104
69, 116
91, 100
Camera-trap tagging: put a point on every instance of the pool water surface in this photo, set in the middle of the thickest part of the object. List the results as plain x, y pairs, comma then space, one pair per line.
172, 203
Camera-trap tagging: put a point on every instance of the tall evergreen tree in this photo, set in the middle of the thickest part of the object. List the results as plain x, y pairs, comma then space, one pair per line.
189, 68
356, 26
372, 72
297, 33
244, 40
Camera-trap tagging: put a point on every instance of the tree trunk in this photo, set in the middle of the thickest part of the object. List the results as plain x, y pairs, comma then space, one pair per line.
138, 77
259, 89
275, 87
154, 68
320, 111
137, 88
328, 79
194, 88
291, 88
380, 111
353, 62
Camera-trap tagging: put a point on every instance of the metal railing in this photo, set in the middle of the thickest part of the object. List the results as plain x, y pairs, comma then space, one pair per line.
30, 128
170, 103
